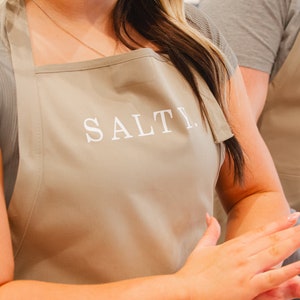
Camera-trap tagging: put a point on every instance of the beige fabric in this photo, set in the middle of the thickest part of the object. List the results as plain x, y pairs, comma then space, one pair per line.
8, 108
117, 169
280, 124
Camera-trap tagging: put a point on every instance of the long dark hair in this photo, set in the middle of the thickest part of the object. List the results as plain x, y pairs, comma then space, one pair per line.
152, 20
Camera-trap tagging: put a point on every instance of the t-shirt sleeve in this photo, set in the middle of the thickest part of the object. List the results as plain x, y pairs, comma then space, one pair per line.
8, 121
200, 21
252, 28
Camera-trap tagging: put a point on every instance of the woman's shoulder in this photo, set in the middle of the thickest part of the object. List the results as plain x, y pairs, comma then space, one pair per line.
201, 22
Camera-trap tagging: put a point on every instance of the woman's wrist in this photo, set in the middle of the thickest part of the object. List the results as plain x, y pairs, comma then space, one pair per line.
164, 287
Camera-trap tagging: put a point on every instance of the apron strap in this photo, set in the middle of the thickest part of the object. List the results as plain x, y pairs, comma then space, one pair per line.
31, 149
217, 121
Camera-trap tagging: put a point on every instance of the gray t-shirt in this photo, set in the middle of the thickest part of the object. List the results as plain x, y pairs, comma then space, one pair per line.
202, 23
261, 32
8, 111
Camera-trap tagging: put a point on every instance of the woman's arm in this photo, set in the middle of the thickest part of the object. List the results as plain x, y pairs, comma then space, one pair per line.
6, 257
257, 84
261, 199
228, 271
210, 272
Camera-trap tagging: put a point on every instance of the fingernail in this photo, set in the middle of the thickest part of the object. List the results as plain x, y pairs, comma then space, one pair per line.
208, 219
293, 217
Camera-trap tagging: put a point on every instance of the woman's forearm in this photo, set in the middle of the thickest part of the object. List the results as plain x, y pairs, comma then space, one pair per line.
210, 272
155, 287
255, 211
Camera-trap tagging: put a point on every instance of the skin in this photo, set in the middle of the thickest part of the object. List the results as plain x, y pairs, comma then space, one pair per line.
249, 204
84, 19
241, 268
256, 83
6, 260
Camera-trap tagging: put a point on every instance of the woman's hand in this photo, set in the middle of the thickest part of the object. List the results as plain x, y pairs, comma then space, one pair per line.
242, 268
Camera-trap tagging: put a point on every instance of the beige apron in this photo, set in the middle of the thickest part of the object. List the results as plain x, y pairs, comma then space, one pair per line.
116, 168
280, 124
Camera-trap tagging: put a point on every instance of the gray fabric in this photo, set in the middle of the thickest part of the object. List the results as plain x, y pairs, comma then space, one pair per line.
200, 21
261, 32
8, 122
8, 115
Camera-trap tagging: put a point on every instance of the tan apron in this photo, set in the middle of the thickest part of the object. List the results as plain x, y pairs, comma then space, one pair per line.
116, 168
280, 124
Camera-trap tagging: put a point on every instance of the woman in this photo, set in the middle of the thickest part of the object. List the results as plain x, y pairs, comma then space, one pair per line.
125, 126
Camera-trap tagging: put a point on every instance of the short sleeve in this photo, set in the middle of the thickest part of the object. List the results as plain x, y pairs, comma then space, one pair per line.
253, 28
8, 121
200, 21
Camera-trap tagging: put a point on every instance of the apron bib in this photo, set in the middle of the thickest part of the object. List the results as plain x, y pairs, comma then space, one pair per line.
117, 168
280, 124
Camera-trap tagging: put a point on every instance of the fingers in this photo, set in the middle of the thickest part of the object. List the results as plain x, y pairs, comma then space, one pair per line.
269, 245
285, 279
288, 290
211, 234
275, 248
267, 230
246, 262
